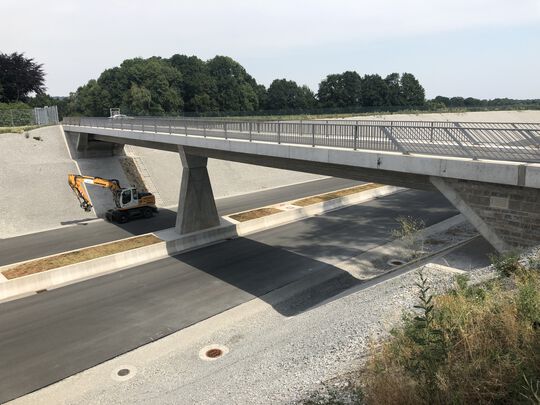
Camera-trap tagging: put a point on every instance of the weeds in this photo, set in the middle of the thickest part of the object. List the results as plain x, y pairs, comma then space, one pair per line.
476, 344
506, 264
409, 232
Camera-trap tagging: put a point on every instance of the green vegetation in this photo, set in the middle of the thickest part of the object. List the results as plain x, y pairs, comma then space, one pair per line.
17, 130
409, 232
19, 76
477, 344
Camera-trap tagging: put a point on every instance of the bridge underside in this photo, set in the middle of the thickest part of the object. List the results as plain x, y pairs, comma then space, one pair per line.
507, 216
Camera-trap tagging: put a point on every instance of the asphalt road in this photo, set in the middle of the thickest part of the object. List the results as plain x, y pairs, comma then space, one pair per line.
52, 335
90, 233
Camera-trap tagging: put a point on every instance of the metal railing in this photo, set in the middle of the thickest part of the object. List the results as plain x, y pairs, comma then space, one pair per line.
29, 116
498, 141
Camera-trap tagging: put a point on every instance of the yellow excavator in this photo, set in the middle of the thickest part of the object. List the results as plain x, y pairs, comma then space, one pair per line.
129, 202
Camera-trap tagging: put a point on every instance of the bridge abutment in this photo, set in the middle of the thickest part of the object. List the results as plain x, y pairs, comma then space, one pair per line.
507, 216
84, 146
196, 204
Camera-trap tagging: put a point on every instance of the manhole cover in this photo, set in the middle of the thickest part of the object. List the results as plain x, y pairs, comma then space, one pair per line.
213, 352
123, 373
396, 262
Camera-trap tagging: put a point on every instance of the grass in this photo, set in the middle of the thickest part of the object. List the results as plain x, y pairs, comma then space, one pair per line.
477, 344
77, 256
335, 194
258, 213
17, 130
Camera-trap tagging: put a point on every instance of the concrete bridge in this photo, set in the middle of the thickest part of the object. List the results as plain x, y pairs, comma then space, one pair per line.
489, 171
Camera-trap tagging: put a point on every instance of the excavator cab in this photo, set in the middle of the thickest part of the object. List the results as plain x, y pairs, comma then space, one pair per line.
129, 197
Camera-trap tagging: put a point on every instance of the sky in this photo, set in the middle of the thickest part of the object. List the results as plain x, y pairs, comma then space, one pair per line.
470, 48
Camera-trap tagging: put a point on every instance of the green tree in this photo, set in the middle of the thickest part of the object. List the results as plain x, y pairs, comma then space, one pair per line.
19, 77
341, 90
198, 86
394, 89
412, 93
286, 94
442, 100
236, 90
375, 91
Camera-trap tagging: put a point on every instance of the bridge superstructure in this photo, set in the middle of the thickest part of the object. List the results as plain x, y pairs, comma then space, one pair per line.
489, 171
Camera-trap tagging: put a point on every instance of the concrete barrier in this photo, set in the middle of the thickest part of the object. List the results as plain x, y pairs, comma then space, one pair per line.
61, 276
109, 264
271, 221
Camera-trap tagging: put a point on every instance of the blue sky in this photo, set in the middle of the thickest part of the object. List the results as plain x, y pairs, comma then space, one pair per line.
478, 48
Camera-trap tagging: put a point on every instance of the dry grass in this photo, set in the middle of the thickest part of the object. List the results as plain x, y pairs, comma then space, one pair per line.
488, 350
64, 259
17, 130
335, 194
248, 215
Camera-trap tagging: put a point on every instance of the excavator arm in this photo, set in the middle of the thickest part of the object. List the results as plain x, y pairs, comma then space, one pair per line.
76, 182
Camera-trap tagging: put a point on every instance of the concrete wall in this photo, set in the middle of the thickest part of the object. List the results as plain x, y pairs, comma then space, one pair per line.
34, 192
227, 178
508, 216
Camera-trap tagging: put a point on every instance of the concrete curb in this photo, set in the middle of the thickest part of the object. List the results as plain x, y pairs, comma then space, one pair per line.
270, 221
61, 276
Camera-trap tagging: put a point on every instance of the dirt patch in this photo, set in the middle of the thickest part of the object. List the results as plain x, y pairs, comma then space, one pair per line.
335, 194
77, 256
132, 173
261, 212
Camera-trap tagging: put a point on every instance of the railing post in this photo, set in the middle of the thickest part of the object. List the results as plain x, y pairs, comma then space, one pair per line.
355, 137
170, 127
155, 126
185, 127
250, 136
204, 128
225, 129
431, 133
122, 124
313, 135
142, 125
131, 125
279, 132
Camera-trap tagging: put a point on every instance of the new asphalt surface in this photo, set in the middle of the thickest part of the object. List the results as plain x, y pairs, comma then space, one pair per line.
52, 335
87, 233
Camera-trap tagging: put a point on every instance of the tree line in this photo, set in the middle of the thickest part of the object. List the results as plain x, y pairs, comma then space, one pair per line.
158, 86
188, 85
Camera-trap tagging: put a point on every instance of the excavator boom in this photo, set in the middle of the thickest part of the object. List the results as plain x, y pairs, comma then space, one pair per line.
77, 181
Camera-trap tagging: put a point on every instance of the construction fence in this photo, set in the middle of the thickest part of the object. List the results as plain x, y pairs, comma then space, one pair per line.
30, 116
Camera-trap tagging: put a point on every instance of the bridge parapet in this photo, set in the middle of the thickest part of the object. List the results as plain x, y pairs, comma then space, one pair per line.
517, 142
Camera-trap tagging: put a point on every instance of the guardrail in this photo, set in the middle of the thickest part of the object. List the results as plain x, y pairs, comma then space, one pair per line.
498, 141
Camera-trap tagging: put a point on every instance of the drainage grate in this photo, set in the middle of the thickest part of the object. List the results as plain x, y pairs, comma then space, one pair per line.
213, 353
396, 262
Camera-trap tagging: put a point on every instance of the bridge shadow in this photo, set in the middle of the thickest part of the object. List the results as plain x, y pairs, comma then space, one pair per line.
244, 269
